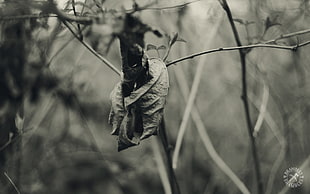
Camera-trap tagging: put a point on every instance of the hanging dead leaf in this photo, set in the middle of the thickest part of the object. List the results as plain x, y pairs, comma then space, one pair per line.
138, 116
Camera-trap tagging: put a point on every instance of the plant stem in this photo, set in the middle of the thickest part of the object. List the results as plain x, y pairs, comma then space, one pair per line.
78, 25
101, 58
12, 183
161, 166
244, 97
221, 49
164, 139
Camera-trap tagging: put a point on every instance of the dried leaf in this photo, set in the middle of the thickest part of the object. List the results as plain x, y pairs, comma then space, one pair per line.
138, 116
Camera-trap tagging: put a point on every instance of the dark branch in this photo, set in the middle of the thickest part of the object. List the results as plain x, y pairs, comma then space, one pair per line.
244, 97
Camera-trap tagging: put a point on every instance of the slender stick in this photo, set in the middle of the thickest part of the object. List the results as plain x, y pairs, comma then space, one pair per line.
187, 112
161, 167
288, 35
262, 110
281, 140
272, 46
164, 139
78, 25
245, 98
66, 17
12, 183
101, 58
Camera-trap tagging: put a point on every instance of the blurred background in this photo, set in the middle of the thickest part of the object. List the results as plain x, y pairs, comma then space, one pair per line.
66, 146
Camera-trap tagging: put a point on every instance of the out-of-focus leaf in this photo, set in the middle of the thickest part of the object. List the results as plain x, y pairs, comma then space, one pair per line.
180, 40
174, 38
150, 47
137, 116
19, 122
162, 47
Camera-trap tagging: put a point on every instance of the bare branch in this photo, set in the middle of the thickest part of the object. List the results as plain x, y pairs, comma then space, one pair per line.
262, 110
78, 25
169, 7
272, 46
6, 144
164, 140
288, 35
101, 58
271, 123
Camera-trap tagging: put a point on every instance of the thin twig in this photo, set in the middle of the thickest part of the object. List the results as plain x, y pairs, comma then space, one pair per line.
262, 110
6, 144
108, 63
78, 25
84, 5
288, 36
275, 131
69, 18
161, 167
164, 139
12, 183
168, 7
245, 98
87, 19
278, 161
188, 109
62, 47
272, 46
